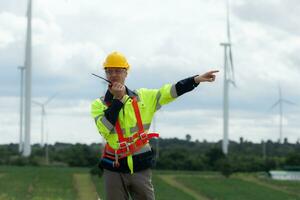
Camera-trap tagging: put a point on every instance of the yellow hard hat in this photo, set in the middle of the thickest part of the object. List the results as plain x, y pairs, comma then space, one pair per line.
116, 59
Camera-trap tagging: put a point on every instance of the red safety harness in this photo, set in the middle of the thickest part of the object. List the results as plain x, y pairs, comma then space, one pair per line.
129, 145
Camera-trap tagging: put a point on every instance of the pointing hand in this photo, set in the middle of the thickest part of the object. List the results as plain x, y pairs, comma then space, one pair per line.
206, 77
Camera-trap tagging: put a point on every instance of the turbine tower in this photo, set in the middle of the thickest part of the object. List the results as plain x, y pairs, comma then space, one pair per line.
21, 139
27, 147
280, 102
228, 79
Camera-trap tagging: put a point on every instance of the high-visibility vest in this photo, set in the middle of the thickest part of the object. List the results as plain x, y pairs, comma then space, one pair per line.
148, 100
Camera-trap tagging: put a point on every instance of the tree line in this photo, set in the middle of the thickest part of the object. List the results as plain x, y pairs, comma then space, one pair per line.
172, 154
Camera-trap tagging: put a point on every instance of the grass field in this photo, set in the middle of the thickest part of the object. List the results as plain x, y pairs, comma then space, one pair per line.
38, 183
50, 183
217, 187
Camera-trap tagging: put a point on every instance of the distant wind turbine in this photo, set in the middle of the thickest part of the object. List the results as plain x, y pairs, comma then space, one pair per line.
43, 115
280, 103
228, 79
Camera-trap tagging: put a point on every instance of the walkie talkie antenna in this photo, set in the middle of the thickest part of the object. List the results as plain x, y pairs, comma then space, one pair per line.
102, 78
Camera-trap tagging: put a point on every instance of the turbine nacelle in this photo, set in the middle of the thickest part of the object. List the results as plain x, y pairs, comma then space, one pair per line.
226, 44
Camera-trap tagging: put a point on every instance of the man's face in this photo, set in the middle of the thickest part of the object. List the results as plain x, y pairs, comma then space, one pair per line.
114, 74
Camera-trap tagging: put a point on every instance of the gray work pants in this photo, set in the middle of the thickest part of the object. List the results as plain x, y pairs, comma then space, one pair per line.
118, 186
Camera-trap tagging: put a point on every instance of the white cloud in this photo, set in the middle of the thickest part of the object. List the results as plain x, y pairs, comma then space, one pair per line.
11, 29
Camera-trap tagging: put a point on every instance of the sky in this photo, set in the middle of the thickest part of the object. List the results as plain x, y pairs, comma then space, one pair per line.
164, 42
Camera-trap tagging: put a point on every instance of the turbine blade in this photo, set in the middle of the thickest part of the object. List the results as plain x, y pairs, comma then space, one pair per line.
228, 21
36, 103
275, 104
50, 98
279, 90
231, 63
232, 82
288, 102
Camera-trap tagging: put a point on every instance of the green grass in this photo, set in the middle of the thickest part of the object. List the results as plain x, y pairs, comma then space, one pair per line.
38, 183
290, 186
57, 183
232, 189
99, 186
164, 191
190, 173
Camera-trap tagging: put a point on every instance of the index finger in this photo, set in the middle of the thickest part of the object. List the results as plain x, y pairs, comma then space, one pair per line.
213, 71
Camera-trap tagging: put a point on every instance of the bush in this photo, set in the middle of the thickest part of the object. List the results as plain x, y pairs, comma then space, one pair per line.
96, 170
18, 160
293, 159
214, 156
225, 167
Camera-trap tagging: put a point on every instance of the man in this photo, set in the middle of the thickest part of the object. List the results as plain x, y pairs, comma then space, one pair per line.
123, 118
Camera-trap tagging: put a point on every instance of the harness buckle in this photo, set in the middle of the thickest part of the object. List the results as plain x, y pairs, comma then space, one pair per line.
124, 145
143, 136
129, 139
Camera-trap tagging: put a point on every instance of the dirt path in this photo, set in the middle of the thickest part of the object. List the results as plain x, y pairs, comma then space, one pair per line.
4, 197
170, 179
85, 187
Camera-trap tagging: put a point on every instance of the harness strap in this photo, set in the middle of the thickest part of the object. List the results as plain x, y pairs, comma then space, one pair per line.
137, 115
130, 149
119, 131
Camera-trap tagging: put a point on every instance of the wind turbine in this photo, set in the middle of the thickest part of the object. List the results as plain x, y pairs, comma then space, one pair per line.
228, 79
27, 147
280, 102
43, 115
